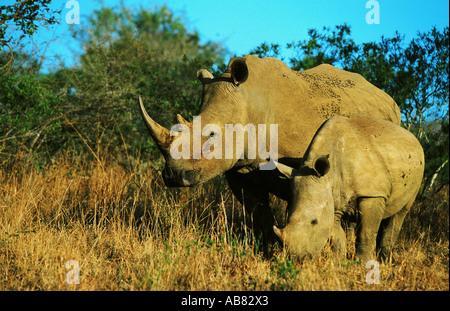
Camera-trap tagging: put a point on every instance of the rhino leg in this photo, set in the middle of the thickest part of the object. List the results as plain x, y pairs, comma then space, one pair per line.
256, 202
262, 223
338, 240
389, 231
371, 212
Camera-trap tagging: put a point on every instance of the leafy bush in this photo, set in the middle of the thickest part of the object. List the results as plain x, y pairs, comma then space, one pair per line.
29, 114
127, 53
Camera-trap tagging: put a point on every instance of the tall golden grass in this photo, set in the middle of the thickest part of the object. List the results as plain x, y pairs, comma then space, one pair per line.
127, 231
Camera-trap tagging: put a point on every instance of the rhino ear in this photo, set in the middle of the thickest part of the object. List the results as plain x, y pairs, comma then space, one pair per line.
322, 165
204, 76
239, 70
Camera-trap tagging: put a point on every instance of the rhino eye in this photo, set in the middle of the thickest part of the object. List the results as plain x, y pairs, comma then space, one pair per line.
314, 222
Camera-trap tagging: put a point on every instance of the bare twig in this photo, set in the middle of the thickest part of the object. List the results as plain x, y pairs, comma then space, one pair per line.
433, 178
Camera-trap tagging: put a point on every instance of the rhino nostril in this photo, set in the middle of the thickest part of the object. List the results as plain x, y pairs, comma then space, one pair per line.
314, 222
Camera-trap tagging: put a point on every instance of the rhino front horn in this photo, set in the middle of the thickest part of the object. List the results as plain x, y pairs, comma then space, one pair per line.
159, 133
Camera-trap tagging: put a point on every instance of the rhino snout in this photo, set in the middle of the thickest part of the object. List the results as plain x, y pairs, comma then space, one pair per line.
180, 178
303, 240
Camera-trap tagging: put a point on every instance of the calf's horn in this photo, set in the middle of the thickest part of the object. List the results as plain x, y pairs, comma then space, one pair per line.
278, 232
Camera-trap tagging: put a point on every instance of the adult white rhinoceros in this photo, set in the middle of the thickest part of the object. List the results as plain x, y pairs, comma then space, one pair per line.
359, 167
265, 91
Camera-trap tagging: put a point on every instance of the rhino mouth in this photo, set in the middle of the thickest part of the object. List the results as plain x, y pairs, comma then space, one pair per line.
181, 178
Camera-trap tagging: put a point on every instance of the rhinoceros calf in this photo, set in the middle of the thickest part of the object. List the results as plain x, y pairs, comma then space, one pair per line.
363, 167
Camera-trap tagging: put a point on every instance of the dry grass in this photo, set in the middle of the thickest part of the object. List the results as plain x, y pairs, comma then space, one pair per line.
129, 232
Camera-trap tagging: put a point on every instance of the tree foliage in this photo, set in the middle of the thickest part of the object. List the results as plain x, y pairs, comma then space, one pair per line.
23, 17
138, 53
126, 53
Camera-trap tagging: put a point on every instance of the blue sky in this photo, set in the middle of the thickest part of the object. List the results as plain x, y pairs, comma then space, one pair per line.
242, 25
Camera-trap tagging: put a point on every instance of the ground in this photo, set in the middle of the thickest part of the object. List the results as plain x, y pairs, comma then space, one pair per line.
109, 226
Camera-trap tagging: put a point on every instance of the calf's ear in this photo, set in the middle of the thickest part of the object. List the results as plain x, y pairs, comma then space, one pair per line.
322, 165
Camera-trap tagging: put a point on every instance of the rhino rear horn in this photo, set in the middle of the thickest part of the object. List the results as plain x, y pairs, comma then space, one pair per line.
160, 134
182, 120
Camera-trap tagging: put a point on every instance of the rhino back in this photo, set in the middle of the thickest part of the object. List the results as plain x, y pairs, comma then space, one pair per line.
401, 155
348, 93
300, 101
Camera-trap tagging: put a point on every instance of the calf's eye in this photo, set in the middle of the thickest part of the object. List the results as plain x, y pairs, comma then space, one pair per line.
314, 222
